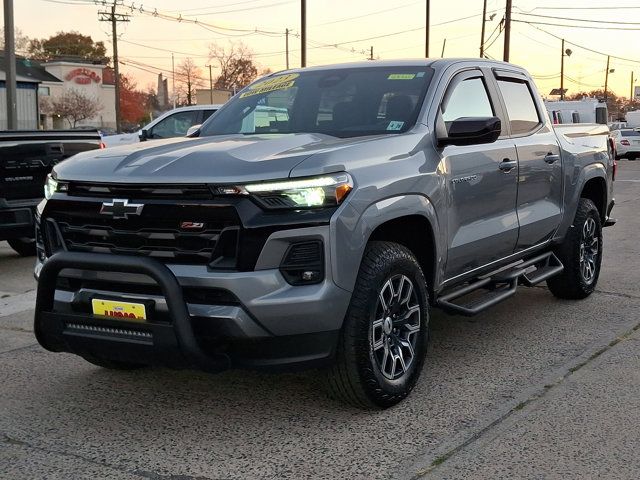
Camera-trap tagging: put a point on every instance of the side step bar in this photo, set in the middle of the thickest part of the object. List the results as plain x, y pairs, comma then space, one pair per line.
502, 285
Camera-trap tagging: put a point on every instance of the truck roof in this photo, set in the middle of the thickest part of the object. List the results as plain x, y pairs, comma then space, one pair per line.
417, 62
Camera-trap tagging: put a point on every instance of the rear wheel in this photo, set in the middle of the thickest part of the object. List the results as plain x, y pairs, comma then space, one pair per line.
25, 247
384, 340
581, 255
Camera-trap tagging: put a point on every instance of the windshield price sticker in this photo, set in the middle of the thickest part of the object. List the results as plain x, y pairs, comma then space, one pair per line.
281, 82
395, 125
401, 76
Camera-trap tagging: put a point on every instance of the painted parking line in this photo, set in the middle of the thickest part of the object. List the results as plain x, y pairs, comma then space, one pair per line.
17, 303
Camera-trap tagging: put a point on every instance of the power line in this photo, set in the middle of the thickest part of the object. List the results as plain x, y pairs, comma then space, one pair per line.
590, 27
578, 19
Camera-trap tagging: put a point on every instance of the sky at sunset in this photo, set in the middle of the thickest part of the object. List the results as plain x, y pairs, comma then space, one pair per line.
342, 30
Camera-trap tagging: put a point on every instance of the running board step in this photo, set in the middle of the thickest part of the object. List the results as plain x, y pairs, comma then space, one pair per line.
501, 285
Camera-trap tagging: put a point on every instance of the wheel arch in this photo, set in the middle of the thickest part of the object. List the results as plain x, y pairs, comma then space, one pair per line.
595, 189
409, 220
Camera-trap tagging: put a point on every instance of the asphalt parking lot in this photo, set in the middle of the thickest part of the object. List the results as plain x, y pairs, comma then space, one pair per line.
535, 388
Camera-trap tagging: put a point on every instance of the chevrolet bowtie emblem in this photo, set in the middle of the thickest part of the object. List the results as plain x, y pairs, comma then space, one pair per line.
121, 208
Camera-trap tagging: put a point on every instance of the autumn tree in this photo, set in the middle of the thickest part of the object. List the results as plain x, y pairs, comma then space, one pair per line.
68, 46
235, 62
188, 79
73, 105
21, 40
133, 102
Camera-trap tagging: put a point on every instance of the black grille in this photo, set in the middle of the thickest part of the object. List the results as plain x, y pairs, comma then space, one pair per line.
178, 233
146, 192
303, 263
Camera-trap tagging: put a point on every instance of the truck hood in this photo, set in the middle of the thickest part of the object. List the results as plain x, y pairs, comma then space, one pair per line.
220, 159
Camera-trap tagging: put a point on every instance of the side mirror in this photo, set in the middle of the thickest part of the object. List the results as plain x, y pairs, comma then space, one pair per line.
194, 131
144, 135
472, 131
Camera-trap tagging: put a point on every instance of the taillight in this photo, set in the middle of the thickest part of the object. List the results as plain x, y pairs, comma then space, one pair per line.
625, 143
102, 145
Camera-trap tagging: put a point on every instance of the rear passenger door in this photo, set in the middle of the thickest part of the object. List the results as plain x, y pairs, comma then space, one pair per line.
539, 204
482, 225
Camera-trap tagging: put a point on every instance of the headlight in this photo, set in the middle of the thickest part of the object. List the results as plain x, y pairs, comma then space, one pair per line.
52, 186
316, 192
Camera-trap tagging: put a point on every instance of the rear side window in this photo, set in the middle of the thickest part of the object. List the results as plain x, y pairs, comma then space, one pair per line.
469, 98
521, 108
630, 133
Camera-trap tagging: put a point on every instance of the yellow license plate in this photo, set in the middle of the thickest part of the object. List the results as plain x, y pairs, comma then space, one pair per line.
132, 312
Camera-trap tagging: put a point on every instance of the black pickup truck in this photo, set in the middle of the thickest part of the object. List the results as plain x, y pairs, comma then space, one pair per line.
26, 158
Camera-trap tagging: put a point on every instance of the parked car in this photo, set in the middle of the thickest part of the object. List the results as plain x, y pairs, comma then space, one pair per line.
26, 158
627, 143
171, 124
322, 236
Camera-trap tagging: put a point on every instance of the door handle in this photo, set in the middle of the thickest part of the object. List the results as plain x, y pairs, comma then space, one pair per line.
507, 165
551, 158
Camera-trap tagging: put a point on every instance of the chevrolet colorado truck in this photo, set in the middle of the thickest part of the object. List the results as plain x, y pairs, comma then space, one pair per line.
26, 158
322, 237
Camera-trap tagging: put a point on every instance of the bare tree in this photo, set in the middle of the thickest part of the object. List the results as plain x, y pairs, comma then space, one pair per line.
21, 41
188, 78
235, 62
73, 106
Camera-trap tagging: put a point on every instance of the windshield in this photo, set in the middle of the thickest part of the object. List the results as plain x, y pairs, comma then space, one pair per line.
340, 102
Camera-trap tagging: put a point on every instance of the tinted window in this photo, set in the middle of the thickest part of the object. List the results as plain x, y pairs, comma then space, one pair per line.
345, 102
523, 115
206, 114
630, 133
469, 98
175, 125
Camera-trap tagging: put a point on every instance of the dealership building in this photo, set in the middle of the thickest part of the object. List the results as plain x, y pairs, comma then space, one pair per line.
37, 82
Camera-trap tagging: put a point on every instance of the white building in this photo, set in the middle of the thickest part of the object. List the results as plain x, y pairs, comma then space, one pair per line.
88, 79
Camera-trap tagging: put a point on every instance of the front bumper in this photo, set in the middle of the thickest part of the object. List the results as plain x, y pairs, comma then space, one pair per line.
263, 322
17, 218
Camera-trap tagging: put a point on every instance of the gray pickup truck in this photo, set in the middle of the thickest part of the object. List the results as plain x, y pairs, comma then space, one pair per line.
26, 158
322, 235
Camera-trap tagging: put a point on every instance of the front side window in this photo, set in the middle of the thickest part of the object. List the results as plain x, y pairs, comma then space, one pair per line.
345, 102
175, 125
521, 108
468, 98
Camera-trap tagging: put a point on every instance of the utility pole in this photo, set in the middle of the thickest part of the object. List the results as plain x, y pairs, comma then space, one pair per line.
606, 79
371, 54
173, 79
562, 72
114, 18
444, 44
210, 85
286, 34
631, 92
507, 31
484, 21
427, 24
10, 66
303, 33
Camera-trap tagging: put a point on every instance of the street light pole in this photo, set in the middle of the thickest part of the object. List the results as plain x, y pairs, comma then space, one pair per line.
210, 85
303, 33
562, 72
484, 21
10, 66
606, 79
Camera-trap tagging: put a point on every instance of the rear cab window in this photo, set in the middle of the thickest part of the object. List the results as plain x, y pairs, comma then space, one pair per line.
630, 133
521, 108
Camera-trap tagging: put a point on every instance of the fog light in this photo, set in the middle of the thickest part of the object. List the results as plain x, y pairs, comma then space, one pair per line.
310, 276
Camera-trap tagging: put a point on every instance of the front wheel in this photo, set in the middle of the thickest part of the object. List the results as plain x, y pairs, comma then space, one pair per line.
383, 344
581, 255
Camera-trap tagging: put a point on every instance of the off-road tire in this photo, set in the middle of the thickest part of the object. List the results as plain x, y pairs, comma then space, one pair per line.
571, 283
356, 376
111, 364
25, 247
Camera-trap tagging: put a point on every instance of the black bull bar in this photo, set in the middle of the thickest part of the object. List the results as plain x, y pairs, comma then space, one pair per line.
49, 326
